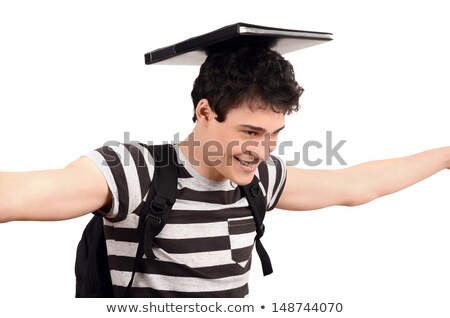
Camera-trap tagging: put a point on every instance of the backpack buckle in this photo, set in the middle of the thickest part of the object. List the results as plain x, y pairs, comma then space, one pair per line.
158, 205
255, 190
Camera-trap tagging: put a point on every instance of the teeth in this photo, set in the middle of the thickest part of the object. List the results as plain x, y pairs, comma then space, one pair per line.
246, 163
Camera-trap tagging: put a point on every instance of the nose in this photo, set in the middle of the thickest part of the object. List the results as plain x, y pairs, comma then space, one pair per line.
268, 145
261, 150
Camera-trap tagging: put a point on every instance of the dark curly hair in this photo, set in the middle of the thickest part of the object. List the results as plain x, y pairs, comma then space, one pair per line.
256, 75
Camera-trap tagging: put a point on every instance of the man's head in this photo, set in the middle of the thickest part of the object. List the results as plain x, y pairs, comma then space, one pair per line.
255, 76
241, 97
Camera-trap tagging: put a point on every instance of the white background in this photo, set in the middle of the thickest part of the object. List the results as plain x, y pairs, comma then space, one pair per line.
72, 76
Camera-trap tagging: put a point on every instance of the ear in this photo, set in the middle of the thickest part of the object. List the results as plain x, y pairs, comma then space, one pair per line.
204, 112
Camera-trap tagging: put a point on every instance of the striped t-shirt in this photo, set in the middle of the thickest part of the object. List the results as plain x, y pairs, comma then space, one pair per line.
205, 248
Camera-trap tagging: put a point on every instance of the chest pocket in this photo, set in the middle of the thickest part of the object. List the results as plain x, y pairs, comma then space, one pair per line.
242, 233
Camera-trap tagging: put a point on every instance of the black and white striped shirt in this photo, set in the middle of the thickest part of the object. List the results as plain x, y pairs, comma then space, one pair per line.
206, 246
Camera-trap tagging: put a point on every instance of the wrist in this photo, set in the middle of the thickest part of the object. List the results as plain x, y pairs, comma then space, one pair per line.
445, 151
447, 154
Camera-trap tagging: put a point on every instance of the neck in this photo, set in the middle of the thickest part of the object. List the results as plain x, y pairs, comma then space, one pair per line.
193, 149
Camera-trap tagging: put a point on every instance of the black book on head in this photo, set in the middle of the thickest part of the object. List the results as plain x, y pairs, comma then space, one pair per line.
194, 51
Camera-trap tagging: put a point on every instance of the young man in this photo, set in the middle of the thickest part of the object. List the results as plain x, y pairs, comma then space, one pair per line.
241, 98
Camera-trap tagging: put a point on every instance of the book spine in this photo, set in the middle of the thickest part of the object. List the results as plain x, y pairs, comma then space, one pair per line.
208, 38
157, 55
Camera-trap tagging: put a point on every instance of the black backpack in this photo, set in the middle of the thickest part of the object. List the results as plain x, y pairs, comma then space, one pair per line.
91, 265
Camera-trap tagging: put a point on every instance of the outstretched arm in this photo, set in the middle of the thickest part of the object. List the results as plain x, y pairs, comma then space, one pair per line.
50, 195
315, 189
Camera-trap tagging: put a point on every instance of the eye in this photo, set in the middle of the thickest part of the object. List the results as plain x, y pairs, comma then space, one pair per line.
250, 133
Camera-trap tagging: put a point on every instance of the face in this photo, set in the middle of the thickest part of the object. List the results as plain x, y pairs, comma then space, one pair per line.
234, 148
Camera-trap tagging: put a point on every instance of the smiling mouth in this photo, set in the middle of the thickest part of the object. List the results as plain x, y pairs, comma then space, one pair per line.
252, 163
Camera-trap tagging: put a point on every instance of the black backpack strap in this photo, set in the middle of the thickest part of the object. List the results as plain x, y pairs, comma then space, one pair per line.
160, 199
162, 195
257, 203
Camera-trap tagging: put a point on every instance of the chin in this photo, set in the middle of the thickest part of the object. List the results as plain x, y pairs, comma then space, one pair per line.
242, 180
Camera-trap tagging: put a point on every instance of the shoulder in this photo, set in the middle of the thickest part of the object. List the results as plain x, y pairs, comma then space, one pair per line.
272, 168
272, 174
128, 169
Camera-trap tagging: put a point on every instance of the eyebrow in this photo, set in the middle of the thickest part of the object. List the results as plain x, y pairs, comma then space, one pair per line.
260, 129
